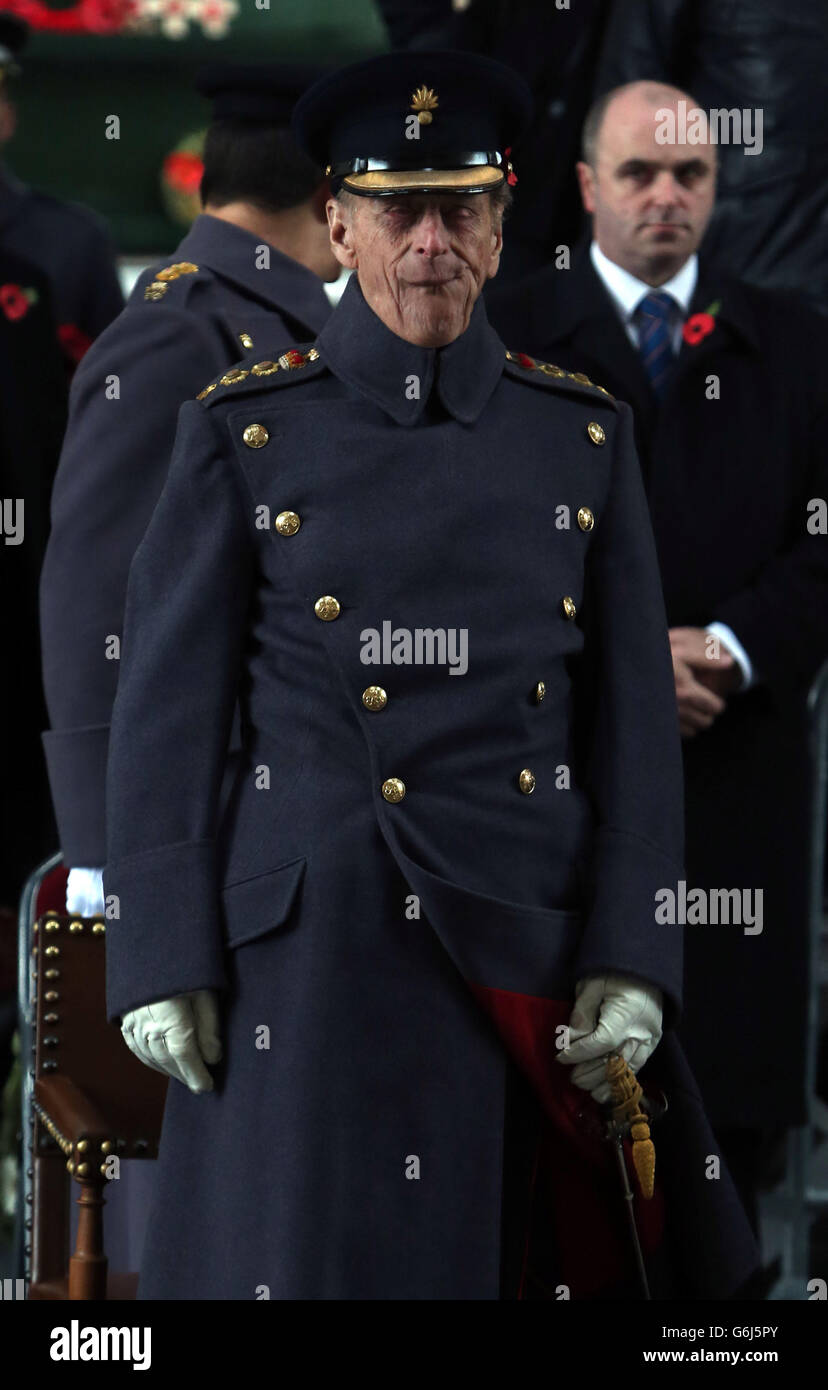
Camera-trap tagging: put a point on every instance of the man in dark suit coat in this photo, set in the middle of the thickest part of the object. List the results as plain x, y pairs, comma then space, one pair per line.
730, 423
251, 269
439, 836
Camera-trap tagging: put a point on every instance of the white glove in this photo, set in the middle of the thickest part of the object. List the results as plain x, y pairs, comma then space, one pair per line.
84, 892
612, 1013
177, 1036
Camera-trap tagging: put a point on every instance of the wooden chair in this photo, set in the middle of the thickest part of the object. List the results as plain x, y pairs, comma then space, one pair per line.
91, 1103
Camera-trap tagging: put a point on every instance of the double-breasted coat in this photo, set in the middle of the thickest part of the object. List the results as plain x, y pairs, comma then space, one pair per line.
420, 855
220, 294
734, 465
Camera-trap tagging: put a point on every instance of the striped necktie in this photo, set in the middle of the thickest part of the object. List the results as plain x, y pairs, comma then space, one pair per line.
653, 317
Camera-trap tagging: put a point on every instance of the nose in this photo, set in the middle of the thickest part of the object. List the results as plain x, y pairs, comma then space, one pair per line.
431, 236
666, 191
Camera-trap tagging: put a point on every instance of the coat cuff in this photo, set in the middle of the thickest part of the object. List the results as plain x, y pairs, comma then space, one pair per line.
76, 764
166, 938
622, 933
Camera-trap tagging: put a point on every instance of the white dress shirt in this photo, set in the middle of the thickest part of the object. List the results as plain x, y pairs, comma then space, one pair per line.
626, 293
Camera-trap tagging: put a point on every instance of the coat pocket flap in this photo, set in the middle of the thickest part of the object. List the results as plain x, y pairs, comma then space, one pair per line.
256, 905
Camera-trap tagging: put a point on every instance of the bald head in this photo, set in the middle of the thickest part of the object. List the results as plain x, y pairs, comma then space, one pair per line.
650, 197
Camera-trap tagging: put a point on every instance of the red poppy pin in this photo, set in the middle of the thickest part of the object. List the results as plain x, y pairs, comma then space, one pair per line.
511, 177
15, 302
698, 326
73, 340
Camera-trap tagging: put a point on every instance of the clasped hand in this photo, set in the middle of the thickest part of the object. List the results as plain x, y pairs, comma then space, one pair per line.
612, 1013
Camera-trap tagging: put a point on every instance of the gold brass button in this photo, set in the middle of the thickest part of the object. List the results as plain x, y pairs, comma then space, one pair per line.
586, 520
526, 781
393, 789
255, 436
596, 433
288, 523
568, 607
326, 608
246, 340
374, 697
540, 691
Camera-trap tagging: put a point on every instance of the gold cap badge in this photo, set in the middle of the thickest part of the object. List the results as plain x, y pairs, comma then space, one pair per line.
424, 101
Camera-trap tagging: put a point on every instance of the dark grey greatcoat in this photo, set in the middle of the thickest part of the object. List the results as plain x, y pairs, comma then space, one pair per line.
729, 481
157, 353
357, 1149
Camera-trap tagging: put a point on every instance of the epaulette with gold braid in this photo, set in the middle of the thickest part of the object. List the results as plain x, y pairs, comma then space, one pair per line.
163, 278
531, 364
289, 361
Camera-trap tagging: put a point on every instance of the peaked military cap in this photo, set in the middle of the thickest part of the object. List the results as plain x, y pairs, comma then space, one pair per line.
415, 123
265, 92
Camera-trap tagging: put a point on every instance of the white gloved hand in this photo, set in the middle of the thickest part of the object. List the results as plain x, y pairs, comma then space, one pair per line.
84, 892
612, 1013
177, 1036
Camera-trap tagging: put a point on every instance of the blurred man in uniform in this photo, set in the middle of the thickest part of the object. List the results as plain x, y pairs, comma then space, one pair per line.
252, 268
729, 386
424, 568
32, 420
68, 241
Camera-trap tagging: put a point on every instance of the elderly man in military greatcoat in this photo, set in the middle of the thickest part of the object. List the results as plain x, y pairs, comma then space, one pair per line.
390, 972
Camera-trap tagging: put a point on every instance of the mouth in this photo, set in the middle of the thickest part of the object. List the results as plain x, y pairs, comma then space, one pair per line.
434, 282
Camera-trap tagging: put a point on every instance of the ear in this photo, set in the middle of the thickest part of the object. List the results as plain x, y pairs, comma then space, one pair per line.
586, 183
340, 226
497, 247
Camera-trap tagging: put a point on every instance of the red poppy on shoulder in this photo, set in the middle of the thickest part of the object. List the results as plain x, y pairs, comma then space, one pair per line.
527, 362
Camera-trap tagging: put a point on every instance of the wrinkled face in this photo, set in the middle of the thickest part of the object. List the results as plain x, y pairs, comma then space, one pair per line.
651, 202
421, 259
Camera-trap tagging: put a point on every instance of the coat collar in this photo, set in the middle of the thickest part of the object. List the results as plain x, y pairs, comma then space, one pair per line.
364, 353
232, 253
